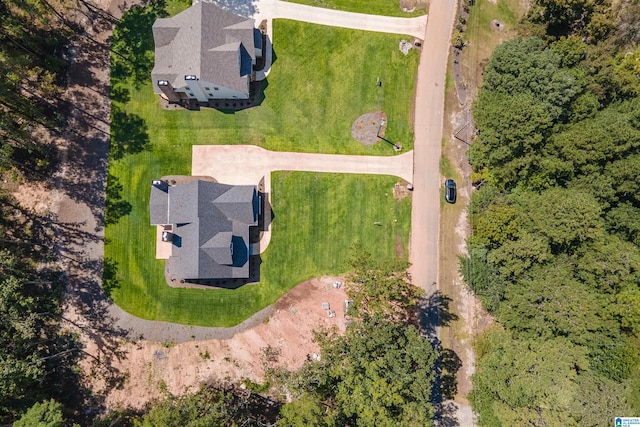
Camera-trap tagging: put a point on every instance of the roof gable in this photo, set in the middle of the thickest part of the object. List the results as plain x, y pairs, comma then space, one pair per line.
237, 204
219, 248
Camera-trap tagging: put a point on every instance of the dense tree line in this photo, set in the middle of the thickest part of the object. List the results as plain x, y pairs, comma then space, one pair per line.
33, 38
554, 250
37, 356
38, 377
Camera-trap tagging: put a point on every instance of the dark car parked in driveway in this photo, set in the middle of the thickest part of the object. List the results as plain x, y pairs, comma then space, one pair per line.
450, 191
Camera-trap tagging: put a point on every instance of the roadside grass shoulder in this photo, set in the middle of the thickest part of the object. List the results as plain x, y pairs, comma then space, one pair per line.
314, 93
372, 7
482, 38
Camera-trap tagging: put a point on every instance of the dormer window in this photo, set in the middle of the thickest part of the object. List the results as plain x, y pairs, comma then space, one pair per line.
190, 77
163, 83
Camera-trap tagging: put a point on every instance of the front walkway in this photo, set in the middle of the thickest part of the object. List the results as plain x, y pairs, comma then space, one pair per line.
248, 165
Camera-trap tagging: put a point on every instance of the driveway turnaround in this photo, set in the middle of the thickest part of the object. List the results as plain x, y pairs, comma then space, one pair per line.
272, 9
248, 164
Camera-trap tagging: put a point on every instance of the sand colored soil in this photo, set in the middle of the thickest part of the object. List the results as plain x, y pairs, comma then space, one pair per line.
149, 368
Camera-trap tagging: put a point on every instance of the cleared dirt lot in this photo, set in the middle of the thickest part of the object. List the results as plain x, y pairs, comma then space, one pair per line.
151, 369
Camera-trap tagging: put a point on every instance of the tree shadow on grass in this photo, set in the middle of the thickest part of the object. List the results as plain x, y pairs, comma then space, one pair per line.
129, 134
119, 93
110, 280
115, 207
132, 43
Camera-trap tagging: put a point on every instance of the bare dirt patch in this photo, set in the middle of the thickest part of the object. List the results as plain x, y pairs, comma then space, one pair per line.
411, 5
401, 190
150, 367
36, 197
497, 25
369, 128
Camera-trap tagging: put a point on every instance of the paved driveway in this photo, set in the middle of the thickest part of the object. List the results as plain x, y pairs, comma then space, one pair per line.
248, 164
271, 9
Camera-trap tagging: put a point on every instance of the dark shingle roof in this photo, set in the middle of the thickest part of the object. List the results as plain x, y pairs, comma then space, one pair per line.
159, 206
206, 41
211, 229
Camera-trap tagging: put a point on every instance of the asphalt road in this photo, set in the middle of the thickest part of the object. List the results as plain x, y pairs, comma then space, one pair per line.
429, 115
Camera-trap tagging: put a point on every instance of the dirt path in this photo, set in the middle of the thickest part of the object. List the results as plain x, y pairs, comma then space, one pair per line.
152, 367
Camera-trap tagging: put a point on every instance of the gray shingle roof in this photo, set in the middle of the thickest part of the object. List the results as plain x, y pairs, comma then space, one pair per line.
159, 206
210, 226
204, 40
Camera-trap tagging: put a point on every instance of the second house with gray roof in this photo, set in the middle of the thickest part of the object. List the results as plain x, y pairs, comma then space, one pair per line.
207, 225
205, 53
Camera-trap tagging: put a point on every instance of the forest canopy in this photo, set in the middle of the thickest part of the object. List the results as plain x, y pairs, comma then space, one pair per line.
554, 250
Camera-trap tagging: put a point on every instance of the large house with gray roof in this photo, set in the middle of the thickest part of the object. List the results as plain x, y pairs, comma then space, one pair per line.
207, 225
205, 53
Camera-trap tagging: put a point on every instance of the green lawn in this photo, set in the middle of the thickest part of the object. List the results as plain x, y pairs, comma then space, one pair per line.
310, 102
373, 7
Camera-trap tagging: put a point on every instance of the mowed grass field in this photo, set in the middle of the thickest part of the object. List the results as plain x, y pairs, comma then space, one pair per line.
322, 80
372, 7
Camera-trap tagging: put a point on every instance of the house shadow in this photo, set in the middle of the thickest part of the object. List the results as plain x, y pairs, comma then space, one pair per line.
265, 220
231, 106
255, 262
257, 88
